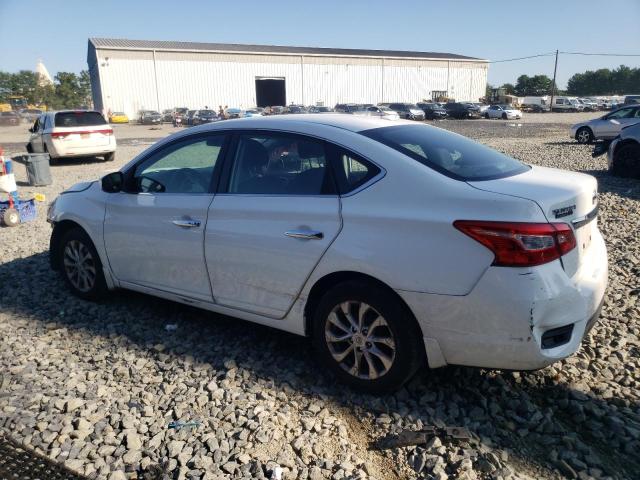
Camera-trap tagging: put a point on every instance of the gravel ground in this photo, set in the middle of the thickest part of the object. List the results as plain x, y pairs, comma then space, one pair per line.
94, 386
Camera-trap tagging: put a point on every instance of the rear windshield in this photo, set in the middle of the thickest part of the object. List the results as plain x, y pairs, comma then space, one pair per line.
448, 153
79, 119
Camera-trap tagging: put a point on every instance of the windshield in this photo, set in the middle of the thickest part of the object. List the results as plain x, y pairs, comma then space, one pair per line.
448, 153
78, 119
207, 112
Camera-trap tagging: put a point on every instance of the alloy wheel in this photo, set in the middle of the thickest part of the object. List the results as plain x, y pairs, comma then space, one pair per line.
584, 136
80, 266
360, 340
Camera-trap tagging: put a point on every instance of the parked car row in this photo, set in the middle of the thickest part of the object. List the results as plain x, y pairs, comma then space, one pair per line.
388, 110
563, 103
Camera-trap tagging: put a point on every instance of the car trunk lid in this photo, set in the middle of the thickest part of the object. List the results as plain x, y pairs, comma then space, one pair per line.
567, 197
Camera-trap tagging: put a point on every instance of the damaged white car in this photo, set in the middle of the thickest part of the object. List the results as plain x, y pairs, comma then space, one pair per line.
394, 245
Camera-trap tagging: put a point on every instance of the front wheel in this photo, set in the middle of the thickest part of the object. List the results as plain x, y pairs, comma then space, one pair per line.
80, 265
504, 116
366, 337
486, 115
626, 161
110, 157
584, 135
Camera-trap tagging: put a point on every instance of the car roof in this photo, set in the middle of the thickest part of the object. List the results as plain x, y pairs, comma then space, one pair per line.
338, 120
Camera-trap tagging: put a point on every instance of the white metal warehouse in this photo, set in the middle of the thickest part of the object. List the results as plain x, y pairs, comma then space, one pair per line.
133, 75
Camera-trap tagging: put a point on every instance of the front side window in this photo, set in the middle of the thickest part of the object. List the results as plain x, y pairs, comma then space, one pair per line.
182, 167
280, 164
448, 153
622, 113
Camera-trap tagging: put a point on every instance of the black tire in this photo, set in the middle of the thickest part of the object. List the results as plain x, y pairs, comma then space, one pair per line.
11, 217
626, 161
486, 115
29, 148
584, 135
403, 359
504, 116
72, 238
110, 157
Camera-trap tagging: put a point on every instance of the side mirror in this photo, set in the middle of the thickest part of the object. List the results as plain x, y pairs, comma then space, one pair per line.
113, 182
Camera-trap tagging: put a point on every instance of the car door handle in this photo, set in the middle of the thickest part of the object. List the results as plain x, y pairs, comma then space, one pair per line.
187, 223
305, 234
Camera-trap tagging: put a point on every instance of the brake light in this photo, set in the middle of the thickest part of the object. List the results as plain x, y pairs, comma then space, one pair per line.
517, 244
104, 131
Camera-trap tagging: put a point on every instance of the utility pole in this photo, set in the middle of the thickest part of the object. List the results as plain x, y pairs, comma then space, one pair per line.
553, 85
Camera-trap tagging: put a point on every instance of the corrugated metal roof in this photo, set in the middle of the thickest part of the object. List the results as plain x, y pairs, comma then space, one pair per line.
124, 44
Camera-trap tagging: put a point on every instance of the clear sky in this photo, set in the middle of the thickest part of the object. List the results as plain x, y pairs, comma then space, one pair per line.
56, 31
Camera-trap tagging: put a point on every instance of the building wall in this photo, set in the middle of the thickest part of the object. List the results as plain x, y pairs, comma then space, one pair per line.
133, 80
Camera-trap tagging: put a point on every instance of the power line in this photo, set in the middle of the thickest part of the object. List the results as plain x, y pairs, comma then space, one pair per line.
603, 54
523, 58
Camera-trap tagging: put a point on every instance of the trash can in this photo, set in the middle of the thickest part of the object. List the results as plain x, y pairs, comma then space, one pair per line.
38, 172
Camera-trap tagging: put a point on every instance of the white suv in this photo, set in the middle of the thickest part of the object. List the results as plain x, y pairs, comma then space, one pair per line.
72, 133
392, 244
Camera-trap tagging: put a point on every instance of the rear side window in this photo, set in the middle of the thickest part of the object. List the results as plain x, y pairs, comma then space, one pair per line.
448, 153
280, 164
352, 171
79, 119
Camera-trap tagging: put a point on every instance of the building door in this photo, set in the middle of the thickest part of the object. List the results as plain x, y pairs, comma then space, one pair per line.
270, 92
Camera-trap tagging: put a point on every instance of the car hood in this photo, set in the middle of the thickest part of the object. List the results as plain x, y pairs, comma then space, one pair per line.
78, 187
631, 131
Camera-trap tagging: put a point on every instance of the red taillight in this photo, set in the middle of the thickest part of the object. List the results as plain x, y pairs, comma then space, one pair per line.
104, 131
518, 244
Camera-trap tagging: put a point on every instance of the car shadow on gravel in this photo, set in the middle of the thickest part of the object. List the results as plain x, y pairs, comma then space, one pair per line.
65, 162
608, 183
537, 418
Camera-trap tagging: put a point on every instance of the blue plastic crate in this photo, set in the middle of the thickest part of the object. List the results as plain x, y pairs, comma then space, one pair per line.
26, 209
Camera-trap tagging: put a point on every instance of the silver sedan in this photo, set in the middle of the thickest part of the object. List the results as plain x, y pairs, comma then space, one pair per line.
607, 126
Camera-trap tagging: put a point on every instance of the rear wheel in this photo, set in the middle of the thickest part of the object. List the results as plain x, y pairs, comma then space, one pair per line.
486, 115
110, 157
80, 265
626, 161
584, 135
504, 116
366, 337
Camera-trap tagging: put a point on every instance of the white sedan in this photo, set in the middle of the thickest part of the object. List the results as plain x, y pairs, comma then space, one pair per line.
506, 112
394, 245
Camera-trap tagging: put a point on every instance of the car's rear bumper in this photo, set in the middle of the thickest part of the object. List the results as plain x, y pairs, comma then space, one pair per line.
60, 148
503, 322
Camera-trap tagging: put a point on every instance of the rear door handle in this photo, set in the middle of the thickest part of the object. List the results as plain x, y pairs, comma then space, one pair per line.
187, 223
305, 234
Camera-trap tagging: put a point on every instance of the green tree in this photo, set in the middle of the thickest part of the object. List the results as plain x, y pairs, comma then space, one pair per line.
509, 88
84, 82
622, 80
537, 85
68, 93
